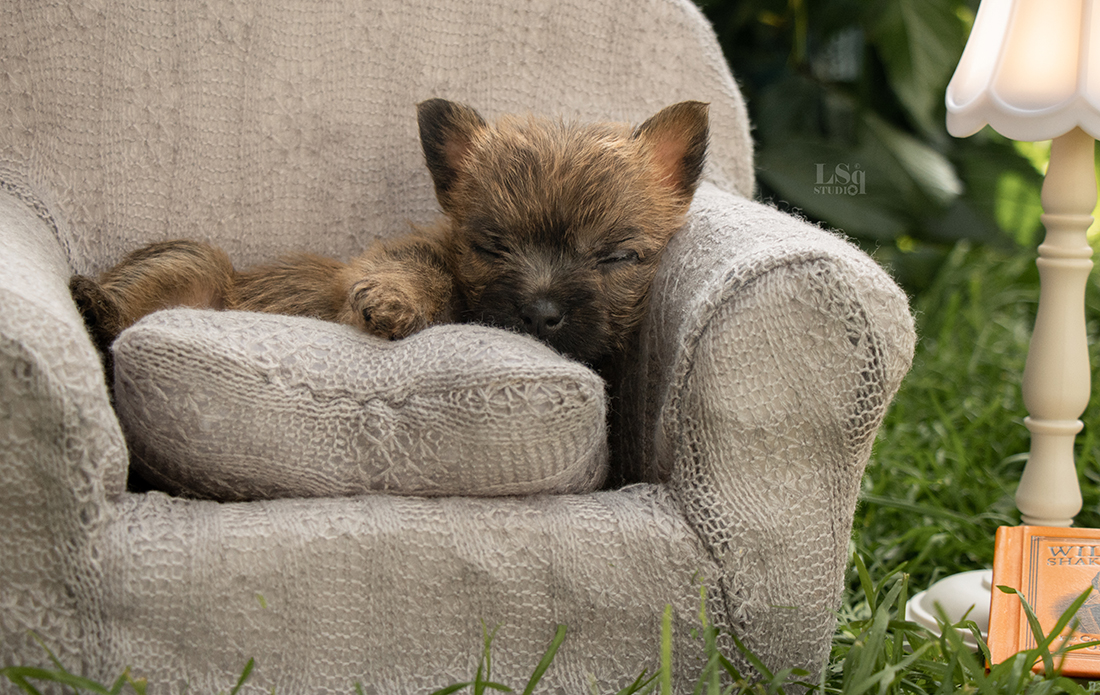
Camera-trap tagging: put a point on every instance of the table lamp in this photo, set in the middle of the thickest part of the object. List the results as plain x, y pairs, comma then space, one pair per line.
1031, 71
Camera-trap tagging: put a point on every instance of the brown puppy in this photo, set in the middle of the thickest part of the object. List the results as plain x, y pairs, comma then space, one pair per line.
551, 229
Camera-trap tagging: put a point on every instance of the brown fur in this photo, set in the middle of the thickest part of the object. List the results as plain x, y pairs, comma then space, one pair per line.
551, 228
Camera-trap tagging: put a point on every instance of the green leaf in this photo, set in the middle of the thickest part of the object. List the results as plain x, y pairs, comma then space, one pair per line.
920, 43
932, 172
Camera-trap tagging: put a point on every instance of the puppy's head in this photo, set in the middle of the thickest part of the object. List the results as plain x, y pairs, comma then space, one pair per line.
557, 228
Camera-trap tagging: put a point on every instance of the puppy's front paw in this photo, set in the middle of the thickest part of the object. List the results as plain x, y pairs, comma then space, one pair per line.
387, 310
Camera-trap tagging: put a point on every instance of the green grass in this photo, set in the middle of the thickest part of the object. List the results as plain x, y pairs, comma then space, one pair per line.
953, 446
941, 481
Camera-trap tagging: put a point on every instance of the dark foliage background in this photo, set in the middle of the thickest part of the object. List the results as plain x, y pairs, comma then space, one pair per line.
854, 89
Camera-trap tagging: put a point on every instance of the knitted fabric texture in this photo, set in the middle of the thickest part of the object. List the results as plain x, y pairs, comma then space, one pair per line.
239, 406
770, 353
270, 128
748, 405
394, 592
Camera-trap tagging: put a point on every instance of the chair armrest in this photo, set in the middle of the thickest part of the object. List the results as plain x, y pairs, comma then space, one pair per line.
61, 450
770, 354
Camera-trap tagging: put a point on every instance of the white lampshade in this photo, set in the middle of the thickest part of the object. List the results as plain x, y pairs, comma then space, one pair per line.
1030, 69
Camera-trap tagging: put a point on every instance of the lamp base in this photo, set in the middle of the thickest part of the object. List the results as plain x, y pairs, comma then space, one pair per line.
964, 594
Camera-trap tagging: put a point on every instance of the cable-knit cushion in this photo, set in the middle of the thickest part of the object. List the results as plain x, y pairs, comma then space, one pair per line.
235, 406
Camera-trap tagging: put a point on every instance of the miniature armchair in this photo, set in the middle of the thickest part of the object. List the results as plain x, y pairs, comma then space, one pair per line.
381, 502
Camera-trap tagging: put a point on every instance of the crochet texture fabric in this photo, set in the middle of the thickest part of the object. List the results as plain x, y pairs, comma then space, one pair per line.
241, 406
747, 411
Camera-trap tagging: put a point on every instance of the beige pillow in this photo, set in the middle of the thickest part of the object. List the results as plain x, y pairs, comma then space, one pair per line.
243, 406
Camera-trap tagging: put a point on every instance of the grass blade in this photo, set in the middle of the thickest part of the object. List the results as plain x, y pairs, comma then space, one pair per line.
547, 658
244, 677
452, 688
752, 658
479, 683
863, 662
20, 674
53, 657
138, 684
971, 669
1070, 614
730, 669
865, 581
1036, 631
899, 609
639, 683
915, 508
709, 682
12, 673
485, 668
947, 685
1043, 641
666, 651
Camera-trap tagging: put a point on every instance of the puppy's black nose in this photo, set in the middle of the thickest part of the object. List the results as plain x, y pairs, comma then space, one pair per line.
542, 317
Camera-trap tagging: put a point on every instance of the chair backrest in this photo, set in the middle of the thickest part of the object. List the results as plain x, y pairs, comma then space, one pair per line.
268, 127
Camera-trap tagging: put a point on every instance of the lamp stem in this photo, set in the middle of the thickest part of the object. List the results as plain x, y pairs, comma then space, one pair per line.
1057, 383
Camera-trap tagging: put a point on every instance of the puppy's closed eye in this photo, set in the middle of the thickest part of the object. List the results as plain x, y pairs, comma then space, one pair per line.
491, 251
617, 258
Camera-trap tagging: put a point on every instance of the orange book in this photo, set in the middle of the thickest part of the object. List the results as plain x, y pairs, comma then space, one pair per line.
1050, 567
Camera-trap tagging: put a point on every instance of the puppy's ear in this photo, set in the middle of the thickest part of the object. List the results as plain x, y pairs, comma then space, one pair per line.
447, 132
677, 140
